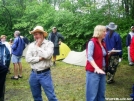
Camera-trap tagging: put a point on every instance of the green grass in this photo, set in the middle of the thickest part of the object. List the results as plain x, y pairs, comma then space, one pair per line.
69, 83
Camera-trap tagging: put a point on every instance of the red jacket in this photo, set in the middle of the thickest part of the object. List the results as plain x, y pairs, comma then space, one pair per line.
97, 56
132, 49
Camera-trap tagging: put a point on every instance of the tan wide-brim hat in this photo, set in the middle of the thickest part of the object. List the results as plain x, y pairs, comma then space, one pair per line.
39, 29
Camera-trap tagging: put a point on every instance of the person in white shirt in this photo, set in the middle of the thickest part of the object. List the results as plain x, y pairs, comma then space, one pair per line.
3, 41
39, 56
128, 42
11, 42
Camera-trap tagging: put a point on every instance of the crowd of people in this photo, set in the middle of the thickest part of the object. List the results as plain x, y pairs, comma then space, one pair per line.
38, 55
104, 52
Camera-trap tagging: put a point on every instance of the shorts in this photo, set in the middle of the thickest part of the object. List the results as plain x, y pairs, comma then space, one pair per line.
15, 59
56, 51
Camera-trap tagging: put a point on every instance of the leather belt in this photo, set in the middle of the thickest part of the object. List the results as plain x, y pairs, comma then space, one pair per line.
42, 71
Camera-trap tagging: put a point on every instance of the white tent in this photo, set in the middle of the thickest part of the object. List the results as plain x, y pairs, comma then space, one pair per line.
76, 58
25, 50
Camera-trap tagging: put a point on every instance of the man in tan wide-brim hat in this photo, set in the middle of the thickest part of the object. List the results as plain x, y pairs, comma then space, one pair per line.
39, 56
39, 29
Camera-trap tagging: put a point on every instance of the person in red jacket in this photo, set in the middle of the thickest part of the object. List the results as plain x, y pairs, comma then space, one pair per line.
132, 49
97, 61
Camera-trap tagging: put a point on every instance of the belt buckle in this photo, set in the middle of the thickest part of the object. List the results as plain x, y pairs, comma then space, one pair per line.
41, 71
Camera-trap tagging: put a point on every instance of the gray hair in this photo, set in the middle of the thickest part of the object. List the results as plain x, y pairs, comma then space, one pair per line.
17, 33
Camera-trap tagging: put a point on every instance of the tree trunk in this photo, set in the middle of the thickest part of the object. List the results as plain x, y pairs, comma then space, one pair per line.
126, 4
109, 8
4, 3
132, 9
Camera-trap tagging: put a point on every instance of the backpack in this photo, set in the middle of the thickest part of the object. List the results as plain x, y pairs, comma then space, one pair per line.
26, 40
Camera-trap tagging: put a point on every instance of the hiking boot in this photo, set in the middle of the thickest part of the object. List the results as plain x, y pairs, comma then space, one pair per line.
110, 82
19, 76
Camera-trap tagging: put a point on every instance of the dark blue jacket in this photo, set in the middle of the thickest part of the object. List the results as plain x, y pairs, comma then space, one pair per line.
4, 55
113, 42
58, 36
18, 46
128, 40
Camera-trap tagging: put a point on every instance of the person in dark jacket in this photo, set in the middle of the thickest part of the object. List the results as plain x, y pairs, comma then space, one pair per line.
56, 38
128, 42
113, 42
17, 50
4, 64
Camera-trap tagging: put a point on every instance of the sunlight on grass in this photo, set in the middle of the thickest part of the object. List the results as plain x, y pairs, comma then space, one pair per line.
69, 83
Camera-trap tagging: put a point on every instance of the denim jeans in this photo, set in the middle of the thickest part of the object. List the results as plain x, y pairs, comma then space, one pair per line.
15, 59
95, 86
43, 80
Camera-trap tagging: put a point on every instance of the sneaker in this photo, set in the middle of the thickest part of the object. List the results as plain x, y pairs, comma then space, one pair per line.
131, 64
19, 76
14, 78
110, 82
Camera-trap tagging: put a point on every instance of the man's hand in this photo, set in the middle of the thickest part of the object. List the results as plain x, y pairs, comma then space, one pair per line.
111, 53
99, 71
59, 42
41, 58
39, 42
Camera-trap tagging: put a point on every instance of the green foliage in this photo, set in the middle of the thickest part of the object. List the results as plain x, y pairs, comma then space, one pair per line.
75, 20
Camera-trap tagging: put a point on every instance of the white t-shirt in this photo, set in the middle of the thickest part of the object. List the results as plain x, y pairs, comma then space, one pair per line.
7, 45
131, 34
